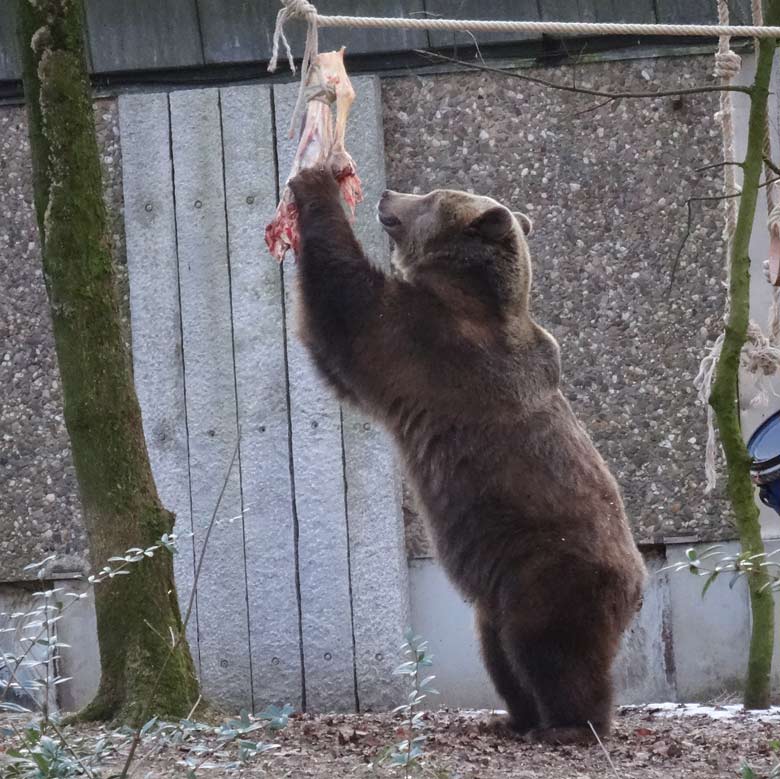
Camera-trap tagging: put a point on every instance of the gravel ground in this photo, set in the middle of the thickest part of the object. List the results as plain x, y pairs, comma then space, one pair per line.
647, 743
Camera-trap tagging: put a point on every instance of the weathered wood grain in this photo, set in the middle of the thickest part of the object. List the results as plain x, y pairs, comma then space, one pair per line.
143, 34
261, 386
158, 369
211, 392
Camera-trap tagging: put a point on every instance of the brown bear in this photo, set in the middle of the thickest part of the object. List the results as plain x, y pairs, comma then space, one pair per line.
525, 516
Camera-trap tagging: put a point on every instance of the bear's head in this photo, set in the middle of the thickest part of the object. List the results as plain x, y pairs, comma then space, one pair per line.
471, 240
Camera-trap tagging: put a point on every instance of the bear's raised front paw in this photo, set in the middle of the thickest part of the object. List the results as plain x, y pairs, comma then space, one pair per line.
314, 182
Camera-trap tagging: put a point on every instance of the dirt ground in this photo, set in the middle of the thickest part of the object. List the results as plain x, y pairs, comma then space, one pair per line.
647, 744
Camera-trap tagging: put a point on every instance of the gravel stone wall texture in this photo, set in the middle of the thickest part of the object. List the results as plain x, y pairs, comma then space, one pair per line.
39, 507
606, 188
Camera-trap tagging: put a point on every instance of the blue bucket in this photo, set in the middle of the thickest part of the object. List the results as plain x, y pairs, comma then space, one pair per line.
764, 449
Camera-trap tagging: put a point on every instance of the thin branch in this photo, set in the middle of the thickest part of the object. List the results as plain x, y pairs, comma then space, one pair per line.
604, 750
593, 107
769, 164
719, 165
583, 90
706, 199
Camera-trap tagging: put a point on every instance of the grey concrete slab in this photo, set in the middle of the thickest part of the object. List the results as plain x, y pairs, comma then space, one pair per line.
380, 589
155, 317
442, 617
710, 633
210, 393
315, 418
258, 327
644, 670
144, 34
80, 661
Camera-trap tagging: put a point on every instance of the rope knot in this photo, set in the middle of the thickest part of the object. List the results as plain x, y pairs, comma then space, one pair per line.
296, 9
727, 64
291, 9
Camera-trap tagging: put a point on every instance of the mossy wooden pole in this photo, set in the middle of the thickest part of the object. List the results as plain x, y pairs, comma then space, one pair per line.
135, 613
724, 397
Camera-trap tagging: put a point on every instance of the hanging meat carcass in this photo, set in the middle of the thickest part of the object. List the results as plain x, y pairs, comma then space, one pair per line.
321, 144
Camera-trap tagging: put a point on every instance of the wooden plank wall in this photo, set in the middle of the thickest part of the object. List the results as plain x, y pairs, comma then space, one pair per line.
303, 596
154, 34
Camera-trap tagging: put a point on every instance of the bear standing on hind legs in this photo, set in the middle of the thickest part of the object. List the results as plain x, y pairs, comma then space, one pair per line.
526, 518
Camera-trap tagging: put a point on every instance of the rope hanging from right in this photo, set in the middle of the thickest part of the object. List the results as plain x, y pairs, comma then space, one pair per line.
761, 353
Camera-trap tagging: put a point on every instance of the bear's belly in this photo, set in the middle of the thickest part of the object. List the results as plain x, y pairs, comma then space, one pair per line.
495, 501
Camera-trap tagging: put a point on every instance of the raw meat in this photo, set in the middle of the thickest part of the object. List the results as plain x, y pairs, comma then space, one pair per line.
321, 143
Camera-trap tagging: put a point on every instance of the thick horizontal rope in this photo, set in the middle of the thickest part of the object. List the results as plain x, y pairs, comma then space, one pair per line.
561, 28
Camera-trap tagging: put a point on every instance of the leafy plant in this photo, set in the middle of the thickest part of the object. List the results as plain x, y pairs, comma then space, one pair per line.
44, 753
747, 772
711, 564
407, 753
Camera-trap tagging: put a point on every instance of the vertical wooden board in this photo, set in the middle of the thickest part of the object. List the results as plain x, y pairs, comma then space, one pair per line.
701, 12
637, 11
143, 34
315, 418
150, 229
380, 588
508, 10
10, 60
238, 31
569, 10
687, 11
261, 389
740, 12
211, 393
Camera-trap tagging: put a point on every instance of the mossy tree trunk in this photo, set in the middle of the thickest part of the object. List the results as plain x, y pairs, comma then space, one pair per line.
724, 398
137, 613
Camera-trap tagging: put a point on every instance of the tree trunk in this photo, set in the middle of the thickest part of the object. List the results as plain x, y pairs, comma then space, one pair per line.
137, 613
724, 398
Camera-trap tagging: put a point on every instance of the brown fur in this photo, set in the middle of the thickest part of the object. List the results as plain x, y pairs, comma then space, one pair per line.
526, 518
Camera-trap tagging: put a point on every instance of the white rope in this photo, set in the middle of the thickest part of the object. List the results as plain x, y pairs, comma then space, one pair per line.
560, 28
727, 66
296, 9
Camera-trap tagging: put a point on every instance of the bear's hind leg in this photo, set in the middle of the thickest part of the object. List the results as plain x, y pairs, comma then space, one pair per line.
572, 686
523, 714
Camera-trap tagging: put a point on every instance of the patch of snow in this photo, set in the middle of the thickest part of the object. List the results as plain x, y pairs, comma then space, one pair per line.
725, 712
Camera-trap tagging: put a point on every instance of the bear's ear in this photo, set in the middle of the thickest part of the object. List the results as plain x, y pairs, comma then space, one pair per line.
492, 225
526, 224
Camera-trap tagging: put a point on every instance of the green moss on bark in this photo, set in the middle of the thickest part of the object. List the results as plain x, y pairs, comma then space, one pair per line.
135, 613
724, 398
